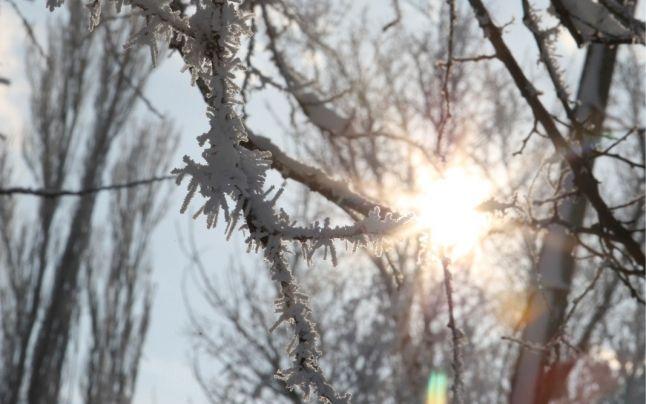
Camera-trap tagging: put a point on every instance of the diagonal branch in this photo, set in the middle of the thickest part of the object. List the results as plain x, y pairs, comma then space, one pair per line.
28, 29
546, 52
583, 176
315, 179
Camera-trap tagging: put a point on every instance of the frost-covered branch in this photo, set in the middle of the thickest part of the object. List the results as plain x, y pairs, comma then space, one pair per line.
293, 308
367, 232
210, 39
239, 173
315, 179
373, 225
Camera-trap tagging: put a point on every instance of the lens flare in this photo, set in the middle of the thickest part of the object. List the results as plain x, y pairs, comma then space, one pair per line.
436, 390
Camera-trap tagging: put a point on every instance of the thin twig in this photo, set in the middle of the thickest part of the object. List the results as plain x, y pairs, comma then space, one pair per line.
621, 158
134, 86
577, 300
398, 16
395, 137
446, 115
631, 202
555, 198
56, 193
526, 139
477, 58
640, 131
525, 344
28, 29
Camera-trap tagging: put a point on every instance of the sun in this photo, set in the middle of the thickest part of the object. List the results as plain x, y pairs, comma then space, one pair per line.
445, 208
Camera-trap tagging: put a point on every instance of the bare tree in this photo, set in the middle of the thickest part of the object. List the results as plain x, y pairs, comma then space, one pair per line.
83, 93
119, 288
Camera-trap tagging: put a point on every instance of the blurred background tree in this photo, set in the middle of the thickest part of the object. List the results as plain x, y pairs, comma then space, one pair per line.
67, 263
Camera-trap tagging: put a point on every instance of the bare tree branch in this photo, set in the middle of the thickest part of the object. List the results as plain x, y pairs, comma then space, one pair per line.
584, 179
53, 193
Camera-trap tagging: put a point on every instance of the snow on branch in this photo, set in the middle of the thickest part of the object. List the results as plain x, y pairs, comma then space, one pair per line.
315, 179
293, 308
371, 231
372, 225
230, 171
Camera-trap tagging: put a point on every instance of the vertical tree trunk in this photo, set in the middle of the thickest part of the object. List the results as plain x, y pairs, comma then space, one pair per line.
530, 384
54, 335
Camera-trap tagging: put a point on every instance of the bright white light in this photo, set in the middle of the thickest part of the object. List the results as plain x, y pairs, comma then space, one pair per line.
446, 208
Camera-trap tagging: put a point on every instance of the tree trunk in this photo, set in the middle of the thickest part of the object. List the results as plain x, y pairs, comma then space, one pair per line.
530, 383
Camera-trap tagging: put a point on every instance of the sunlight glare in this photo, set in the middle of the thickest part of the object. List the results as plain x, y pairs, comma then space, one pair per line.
446, 208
